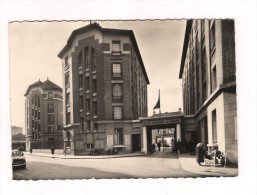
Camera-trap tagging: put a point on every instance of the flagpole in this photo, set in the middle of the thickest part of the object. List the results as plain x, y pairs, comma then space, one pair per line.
160, 103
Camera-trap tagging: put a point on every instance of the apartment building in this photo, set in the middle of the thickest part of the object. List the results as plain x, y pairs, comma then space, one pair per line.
105, 90
208, 74
43, 115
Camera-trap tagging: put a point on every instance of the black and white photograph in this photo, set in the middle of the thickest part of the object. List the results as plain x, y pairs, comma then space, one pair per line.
118, 99
155, 99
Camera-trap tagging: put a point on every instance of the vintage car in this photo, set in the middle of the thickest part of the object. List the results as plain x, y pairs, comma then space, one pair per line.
18, 159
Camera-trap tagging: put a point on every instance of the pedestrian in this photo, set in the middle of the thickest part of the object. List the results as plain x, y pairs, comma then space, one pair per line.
30, 150
200, 153
153, 145
52, 150
159, 146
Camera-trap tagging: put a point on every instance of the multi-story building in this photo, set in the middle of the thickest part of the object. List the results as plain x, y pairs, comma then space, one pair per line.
208, 75
105, 89
16, 130
44, 120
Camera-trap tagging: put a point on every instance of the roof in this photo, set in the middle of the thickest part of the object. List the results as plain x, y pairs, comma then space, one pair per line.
104, 30
185, 46
47, 85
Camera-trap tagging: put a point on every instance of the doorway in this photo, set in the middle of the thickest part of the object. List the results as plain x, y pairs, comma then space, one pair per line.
136, 142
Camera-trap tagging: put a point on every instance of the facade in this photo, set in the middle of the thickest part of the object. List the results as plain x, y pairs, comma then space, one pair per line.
105, 90
44, 120
16, 130
208, 74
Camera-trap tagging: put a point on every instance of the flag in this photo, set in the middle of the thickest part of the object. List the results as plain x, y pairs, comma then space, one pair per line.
158, 105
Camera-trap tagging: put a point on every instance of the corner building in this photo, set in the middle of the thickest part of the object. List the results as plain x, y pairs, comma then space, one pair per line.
43, 116
208, 74
105, 90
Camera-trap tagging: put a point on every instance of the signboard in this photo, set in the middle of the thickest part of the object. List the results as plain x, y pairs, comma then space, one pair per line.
161, 121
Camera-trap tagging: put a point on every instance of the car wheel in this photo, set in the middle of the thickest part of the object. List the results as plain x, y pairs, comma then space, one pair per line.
24, 166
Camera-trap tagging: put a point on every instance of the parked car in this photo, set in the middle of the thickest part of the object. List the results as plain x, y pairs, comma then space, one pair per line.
18, 159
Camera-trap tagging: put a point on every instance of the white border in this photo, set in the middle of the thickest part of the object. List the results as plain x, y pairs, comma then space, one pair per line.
244, 13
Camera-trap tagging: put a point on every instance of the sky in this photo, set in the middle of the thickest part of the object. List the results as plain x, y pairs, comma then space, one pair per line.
34, 47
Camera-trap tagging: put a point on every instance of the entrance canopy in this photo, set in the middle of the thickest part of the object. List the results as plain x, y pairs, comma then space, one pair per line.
162, 120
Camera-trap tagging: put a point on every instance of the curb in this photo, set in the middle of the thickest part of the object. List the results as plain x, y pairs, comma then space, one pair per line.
86, 157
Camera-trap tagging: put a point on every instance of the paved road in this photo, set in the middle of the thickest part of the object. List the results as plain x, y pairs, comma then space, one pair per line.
157, 165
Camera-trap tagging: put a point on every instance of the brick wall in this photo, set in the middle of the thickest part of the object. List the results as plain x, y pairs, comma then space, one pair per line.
228, 50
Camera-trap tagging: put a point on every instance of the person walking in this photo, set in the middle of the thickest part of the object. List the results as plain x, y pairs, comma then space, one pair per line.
52, 150
200, 153
159, 146
153, 147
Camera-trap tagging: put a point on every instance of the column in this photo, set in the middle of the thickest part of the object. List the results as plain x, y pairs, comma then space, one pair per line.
144, 148
178, 130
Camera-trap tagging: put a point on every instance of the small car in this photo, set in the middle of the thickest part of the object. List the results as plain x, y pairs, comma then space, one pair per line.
18, 159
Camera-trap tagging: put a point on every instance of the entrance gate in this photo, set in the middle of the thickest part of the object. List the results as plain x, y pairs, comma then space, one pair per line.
171, 120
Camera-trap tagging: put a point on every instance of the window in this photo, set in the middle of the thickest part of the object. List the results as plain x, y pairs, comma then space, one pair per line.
66, 62
80, 59
81, 102
116, 47
116, 70
67, 80
80, 81
50, 119
33, 100
95, 108
214, 78
94, 86
50, 129
86, 57
50, 95
88, 104
50, 108
117, 91
82, 123
67, 99
93, 59
119, 136
87, 83
68, 121
214, 126
88, 125
39, 127
38, 101
117, 112
212, 35
90, 146
95, 126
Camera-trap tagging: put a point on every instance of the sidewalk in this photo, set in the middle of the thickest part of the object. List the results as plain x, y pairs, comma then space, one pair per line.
62, 156
188, 163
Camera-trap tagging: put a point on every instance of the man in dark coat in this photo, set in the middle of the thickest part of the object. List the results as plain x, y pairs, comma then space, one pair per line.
199, 153
159, 146
52, 150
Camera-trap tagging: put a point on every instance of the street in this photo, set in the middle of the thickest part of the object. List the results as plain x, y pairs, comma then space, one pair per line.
157, 165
